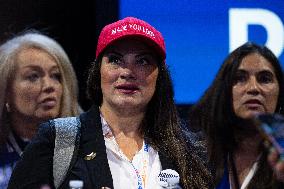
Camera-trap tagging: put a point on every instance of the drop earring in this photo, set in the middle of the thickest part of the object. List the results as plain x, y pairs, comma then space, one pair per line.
280, 110
8, 107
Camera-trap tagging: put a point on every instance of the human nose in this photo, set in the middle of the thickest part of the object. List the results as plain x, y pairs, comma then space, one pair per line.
253, 87
48, 84
128, 70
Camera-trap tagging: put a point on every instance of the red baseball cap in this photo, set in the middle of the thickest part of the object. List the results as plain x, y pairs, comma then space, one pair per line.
128, 27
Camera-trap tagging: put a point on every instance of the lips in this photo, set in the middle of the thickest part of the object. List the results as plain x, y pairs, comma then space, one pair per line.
127, 88
49, 102
253, 103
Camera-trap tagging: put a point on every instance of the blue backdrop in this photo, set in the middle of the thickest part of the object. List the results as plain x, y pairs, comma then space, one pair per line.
198, 35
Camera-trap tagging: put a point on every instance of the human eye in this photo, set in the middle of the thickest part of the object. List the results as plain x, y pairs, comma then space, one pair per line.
146, 59
240, 77
114, 59
142, 61
32, 77
56, 76
265, 77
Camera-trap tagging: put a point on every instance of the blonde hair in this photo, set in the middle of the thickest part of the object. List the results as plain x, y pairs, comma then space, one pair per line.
8, 56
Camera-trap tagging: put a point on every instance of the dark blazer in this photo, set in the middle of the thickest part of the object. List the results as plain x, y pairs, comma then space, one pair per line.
35, 167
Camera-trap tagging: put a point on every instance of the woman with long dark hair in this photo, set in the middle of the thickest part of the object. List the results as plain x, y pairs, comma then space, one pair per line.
249, 82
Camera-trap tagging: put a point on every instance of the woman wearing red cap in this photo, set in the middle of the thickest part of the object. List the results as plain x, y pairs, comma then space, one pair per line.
131, 137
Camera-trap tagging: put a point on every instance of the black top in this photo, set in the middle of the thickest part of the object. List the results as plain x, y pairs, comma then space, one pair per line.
36, 165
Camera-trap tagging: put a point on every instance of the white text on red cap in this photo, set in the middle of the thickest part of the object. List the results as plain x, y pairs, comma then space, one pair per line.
135, 27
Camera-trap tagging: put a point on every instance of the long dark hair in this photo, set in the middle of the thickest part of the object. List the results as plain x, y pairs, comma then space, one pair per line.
161, 126
214, 114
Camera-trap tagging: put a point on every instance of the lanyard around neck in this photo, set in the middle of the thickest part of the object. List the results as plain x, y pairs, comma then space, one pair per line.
235, 175
142, 176
13, 143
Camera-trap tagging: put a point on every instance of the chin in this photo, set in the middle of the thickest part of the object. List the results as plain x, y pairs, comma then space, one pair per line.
128, 105
131, 105
251, 114
48, 115
125, 101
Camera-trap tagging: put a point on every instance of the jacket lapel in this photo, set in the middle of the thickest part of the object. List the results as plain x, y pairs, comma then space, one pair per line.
166, 162
93, 149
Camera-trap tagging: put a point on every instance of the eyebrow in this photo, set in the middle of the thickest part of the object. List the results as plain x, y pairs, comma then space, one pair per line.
145, 54
113, 52
241, 70
264, 70
36, 67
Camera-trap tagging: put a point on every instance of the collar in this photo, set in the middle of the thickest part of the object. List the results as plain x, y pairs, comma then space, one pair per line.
105, 127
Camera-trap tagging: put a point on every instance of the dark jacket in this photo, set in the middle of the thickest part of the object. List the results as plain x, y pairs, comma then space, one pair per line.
35, 167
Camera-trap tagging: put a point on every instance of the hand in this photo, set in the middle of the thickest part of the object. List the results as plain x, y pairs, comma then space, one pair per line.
277, 164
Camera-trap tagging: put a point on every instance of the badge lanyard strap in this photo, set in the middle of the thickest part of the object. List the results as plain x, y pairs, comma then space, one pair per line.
248, 177
141, 178
12, 142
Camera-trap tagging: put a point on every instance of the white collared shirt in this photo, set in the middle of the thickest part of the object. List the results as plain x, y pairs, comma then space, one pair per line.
122, 170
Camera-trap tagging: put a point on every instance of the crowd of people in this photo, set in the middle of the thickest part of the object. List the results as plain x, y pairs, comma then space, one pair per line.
132, 136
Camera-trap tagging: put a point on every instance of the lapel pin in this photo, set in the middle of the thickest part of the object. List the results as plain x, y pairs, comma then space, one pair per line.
90, 156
